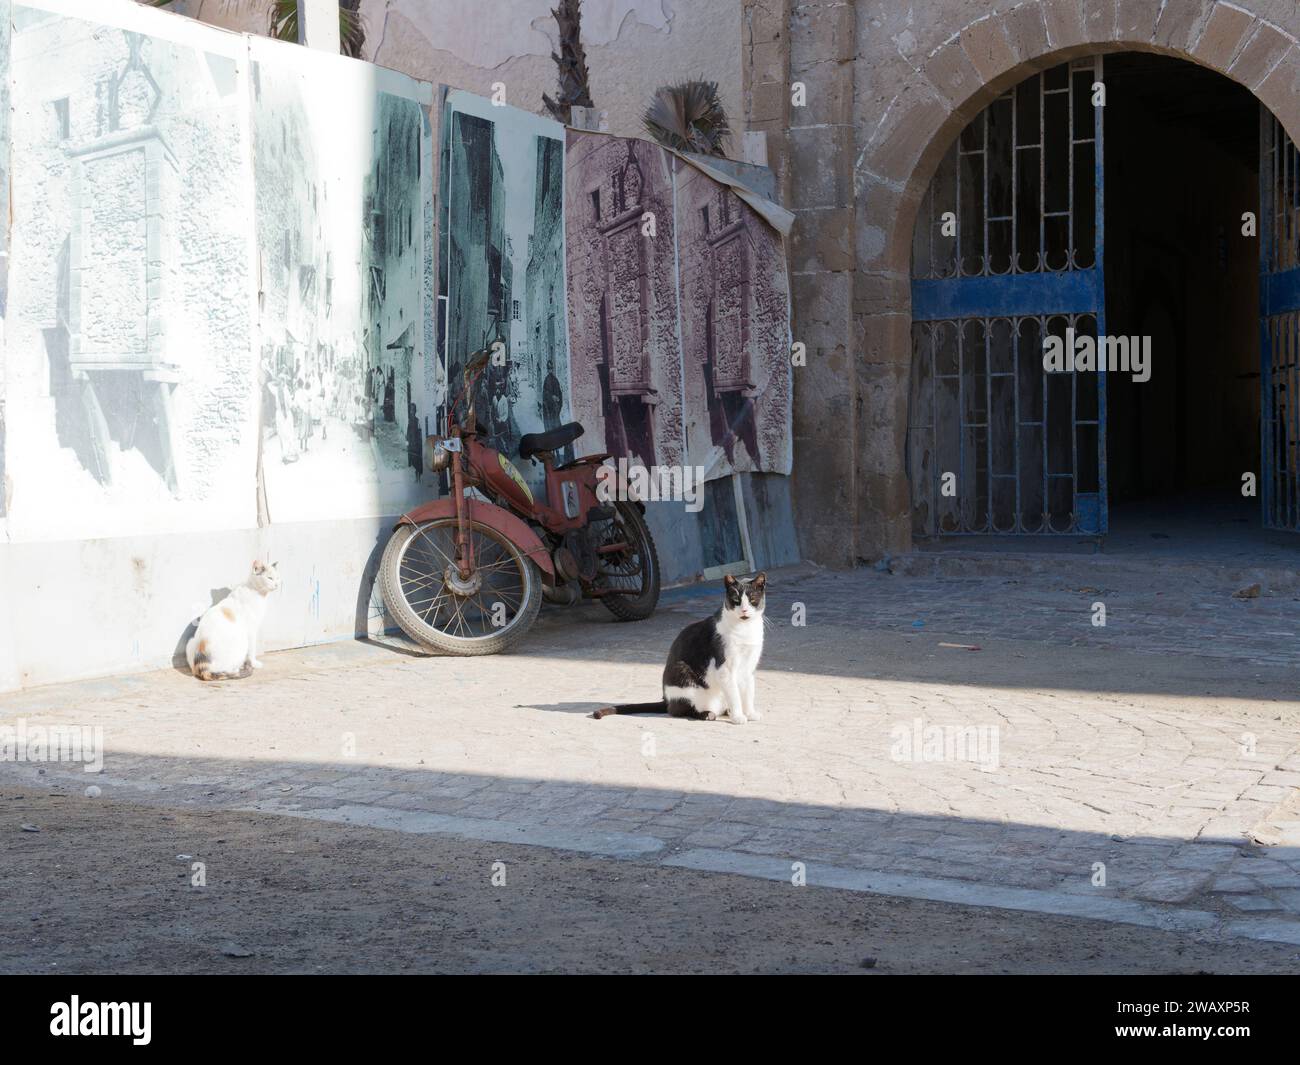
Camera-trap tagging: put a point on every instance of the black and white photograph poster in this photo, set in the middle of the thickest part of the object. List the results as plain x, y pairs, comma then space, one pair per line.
342, 165
128, 370
502, 281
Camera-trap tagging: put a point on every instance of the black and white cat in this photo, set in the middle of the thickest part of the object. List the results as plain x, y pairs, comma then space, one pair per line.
711, 664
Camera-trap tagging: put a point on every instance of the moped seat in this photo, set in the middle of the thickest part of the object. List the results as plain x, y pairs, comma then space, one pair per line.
531, 444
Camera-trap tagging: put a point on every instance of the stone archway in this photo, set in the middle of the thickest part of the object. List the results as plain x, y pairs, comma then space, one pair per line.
896, 151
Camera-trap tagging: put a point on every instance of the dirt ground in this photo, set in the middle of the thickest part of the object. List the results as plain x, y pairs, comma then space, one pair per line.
102, 888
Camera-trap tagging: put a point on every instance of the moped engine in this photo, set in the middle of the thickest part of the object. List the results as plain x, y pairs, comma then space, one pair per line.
575, 558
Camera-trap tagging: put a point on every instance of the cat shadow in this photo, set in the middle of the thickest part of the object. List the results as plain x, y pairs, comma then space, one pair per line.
585, 709
179, 662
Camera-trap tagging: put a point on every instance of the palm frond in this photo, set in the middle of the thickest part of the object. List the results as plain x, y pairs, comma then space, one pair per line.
689, 117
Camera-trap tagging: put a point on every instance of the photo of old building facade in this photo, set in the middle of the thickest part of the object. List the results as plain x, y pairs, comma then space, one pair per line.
735, 330
542, 347
127, 366
623, 305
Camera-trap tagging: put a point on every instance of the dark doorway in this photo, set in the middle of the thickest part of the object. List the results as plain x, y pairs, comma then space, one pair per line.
1182, 167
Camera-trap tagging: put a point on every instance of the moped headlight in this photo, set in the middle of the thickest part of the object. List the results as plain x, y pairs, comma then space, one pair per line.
439, 457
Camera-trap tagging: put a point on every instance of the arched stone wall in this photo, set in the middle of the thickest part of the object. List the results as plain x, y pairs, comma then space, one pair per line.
917, 75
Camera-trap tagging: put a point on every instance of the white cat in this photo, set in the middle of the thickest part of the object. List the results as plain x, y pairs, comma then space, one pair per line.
225, 644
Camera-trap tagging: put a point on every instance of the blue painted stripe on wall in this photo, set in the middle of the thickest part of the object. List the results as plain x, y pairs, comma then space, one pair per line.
1072, 292
1281, 292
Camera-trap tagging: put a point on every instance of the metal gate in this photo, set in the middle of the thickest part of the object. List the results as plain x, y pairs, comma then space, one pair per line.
1279, 319
1007, 251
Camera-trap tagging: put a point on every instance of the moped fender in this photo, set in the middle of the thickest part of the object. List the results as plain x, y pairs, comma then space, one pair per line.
494, 517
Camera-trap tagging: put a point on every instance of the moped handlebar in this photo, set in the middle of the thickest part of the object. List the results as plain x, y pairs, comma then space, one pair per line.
473, 370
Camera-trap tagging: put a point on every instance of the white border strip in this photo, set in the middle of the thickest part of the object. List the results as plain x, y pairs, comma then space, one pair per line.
763, 867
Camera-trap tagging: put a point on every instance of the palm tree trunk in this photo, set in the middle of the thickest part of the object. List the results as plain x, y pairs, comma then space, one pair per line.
575, 89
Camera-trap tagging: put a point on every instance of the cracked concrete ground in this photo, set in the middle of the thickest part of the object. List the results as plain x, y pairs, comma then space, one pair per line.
286, 895
1119, 774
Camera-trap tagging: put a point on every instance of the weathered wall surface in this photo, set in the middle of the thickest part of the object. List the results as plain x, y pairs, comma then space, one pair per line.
888, 87
633, 46
136, 594
6, 14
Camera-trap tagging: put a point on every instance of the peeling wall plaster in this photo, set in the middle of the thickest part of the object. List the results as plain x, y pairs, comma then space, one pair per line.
500, 32
633, 46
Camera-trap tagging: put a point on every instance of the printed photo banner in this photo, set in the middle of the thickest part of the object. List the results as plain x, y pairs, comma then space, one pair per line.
502, 267
679, 311
734, 297
225, 262
6, 24
625, 351
129, 377
670, 278
342, 169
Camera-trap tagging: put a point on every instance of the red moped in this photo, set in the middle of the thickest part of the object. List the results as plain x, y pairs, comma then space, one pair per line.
465, 574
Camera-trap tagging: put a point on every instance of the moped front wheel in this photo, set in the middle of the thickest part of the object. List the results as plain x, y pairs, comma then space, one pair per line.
482, 614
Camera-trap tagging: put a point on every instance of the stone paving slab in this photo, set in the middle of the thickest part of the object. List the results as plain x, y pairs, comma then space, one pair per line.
1117, 770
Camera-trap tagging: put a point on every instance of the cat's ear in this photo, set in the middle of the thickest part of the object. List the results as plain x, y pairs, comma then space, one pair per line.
729, 581
759, 580
257, 565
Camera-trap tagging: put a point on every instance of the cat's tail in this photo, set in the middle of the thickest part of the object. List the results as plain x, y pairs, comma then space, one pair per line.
661, 707
207, 674
201, 665
196, 651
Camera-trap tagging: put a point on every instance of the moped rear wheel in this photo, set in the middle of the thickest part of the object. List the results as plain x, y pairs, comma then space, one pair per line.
632, 571
424, 592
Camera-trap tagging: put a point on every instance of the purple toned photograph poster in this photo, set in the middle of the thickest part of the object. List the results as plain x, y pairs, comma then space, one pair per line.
735, 330
625, 358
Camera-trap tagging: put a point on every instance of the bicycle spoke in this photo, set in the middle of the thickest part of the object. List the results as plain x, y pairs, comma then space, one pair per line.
448, 559
421, 583
497, 589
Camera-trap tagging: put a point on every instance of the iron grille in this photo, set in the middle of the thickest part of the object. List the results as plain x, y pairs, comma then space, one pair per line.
1007, 250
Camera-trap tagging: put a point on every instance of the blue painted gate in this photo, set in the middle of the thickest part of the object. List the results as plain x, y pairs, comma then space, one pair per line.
1279, 317
1007, 250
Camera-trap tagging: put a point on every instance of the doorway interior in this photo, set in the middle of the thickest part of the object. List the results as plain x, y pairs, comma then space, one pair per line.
1180, 171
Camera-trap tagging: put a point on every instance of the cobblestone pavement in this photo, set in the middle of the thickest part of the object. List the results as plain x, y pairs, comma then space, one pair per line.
1122, 773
